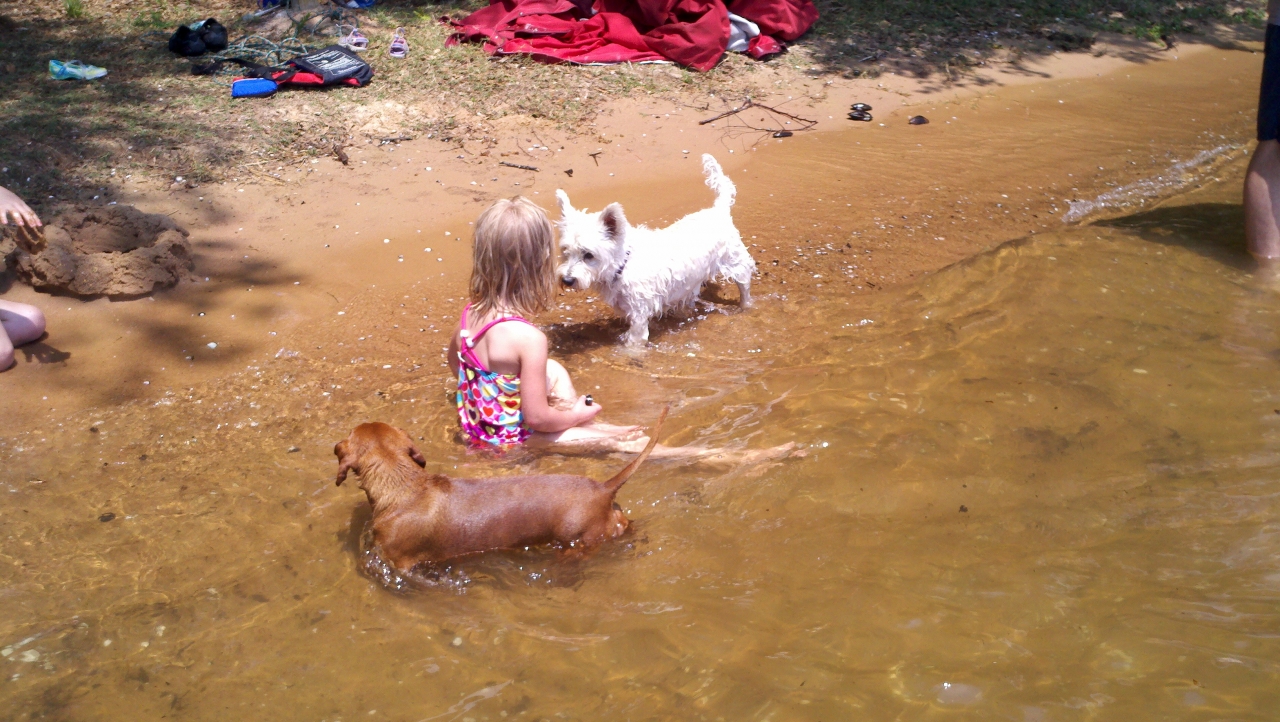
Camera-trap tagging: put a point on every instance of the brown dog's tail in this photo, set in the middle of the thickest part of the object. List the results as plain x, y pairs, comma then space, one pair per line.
621, 477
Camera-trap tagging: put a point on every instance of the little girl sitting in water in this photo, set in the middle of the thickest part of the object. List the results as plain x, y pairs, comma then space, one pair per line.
509, 392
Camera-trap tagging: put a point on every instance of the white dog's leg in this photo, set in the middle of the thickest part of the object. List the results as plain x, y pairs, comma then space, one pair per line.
638, 335
738, 265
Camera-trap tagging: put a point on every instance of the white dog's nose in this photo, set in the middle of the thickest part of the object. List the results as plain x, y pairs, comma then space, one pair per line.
568, 281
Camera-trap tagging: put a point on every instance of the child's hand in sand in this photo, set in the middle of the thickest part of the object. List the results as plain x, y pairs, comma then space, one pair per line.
14, 210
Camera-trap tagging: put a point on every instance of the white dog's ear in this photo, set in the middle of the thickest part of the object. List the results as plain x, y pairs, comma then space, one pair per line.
615, 223
565, 207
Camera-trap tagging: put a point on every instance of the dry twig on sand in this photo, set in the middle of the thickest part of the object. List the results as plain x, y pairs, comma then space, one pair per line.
772, 126
749, 104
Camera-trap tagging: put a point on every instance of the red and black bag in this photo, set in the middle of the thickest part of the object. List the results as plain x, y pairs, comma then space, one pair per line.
334, 65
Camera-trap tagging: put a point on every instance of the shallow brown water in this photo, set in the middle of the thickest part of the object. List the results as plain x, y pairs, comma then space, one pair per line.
1042, 485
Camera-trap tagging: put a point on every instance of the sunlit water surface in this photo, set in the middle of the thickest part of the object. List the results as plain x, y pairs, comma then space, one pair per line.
1042, 485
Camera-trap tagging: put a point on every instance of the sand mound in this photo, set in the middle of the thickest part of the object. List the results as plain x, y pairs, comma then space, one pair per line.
106, 251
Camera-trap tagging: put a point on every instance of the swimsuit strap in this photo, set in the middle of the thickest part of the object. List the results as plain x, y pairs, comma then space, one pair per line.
469, 340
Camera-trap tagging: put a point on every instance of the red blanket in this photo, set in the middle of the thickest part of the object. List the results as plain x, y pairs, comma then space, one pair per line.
693, 33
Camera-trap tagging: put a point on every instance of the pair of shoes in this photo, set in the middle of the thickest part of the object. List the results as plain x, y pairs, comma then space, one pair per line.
208, 36
74, 70
357, 42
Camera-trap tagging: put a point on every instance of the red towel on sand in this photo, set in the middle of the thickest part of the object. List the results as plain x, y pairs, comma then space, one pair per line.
780, 19
693, 33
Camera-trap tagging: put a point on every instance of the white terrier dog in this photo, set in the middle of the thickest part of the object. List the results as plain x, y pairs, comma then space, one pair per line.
643, 272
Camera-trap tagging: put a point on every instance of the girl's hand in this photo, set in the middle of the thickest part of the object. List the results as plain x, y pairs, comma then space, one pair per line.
585, 411
14, 210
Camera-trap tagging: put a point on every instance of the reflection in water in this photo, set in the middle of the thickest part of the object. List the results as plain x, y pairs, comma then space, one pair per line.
1042, 485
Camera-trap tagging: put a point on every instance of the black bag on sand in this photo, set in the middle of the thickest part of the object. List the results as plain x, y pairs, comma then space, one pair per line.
334, 65
211, 37
186, 43
214, 36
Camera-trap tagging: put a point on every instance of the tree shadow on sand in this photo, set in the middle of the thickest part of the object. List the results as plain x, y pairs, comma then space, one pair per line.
944, 40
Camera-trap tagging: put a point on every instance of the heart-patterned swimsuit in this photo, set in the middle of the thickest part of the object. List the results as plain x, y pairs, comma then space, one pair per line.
488, 402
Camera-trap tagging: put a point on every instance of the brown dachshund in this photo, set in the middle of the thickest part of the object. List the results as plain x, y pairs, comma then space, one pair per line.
421, 517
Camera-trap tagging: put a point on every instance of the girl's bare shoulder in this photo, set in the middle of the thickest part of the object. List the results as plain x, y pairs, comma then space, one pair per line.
523, 332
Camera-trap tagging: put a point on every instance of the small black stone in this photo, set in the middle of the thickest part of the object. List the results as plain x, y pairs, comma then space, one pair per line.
918, 120
94, 429
106, 517
964, 509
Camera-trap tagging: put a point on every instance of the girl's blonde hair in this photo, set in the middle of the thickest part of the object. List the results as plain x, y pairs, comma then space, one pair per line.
513, 264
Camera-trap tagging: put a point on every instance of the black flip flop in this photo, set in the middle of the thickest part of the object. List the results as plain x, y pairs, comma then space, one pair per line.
861, 115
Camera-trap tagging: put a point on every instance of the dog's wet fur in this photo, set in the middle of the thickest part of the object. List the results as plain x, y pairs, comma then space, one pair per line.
643, 272
419, 517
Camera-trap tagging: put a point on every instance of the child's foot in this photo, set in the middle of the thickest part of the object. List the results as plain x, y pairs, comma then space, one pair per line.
748, 457
723, 457
634, 445
789, 450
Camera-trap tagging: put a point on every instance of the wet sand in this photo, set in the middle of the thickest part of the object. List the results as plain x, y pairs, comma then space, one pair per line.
1040, 482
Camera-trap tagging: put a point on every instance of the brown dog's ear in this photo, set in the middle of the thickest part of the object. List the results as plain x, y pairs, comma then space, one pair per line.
345, 462
417, 456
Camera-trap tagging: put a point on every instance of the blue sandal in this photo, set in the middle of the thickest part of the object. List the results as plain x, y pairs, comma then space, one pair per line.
74, 70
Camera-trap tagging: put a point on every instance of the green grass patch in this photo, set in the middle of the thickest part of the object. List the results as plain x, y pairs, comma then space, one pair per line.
74, 9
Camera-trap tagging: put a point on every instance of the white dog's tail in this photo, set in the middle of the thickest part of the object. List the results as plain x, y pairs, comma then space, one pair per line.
718, 182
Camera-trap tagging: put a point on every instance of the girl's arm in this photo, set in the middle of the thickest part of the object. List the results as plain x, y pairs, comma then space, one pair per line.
453, 351
538, 414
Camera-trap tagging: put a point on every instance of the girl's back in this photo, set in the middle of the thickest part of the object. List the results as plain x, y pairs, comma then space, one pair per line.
498, 348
